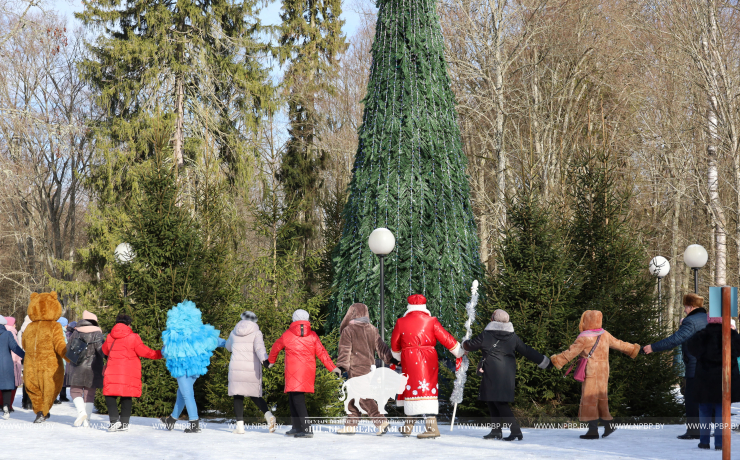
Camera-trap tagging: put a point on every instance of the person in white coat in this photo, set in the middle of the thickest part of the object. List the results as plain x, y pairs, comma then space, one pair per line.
248, 354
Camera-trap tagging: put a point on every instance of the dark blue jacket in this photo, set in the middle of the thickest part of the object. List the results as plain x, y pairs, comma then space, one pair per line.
693, 323
7, 373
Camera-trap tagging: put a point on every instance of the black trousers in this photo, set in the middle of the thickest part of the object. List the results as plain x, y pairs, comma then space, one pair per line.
501, 414
126, 404
239, 406
7, 398
692, 407
298, 411
25, 400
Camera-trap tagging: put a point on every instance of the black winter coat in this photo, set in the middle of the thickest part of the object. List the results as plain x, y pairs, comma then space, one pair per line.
88, 372
706, 346
498, 342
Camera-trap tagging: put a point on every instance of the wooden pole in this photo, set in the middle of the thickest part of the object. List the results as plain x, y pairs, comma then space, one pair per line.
726, 368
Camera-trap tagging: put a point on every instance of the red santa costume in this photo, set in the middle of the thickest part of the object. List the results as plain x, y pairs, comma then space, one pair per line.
412, 343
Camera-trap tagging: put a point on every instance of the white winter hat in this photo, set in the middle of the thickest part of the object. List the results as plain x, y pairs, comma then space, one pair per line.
500, 316
300, 315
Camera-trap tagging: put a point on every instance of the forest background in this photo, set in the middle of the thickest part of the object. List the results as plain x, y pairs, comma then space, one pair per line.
229, 145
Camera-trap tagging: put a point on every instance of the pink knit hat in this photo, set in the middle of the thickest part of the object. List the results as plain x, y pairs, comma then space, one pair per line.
10, 320
714, 319
87, 315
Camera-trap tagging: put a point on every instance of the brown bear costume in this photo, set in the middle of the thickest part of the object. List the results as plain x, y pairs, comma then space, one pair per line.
43, 341
594, 394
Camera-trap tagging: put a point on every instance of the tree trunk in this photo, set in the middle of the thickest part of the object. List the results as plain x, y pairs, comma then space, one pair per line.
674, 258
179, 122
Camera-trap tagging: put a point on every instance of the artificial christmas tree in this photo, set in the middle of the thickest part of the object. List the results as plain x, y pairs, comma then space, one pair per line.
409, 176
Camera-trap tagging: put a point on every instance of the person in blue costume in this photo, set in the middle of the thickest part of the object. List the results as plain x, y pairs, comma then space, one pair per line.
188, 346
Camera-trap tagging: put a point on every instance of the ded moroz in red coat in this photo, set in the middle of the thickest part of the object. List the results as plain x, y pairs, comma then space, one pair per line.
302, 347
412, 343
124, 349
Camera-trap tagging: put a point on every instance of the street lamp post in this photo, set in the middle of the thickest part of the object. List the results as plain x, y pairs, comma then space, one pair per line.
381, 243
659, 268
124, 254
695, 257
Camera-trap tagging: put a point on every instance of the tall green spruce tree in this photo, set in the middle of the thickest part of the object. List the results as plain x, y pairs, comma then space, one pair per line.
275, 286
168, 267
196, 62
613, 260
311, 40
538, 284
409, 176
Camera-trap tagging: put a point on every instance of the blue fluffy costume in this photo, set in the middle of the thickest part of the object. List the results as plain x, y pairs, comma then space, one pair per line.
188, 343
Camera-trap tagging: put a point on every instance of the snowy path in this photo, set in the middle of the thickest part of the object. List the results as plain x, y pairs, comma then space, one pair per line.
58, 439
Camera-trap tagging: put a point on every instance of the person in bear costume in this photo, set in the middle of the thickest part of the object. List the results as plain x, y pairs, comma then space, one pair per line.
43, 340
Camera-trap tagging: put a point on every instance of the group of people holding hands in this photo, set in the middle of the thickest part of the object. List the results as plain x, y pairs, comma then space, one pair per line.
113, 363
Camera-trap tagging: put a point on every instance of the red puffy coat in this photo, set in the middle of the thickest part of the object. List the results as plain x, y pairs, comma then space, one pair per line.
302, 347
412, 343
123, 373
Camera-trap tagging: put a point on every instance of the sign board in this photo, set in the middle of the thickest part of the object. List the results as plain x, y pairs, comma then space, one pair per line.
715, 302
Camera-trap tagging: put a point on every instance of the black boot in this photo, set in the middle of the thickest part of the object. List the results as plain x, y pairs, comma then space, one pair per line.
63, 395
39, 418
193, 426
292, 432
688, 435
169, 422
494, 434
593, 431
609, 429
513, 436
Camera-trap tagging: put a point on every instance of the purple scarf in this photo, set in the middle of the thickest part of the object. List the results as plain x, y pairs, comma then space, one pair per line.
591, 332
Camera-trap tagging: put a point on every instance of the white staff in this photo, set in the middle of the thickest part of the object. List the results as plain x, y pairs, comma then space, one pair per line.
461, 374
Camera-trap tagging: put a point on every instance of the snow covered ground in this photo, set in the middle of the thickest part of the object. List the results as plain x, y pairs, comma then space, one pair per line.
58, 439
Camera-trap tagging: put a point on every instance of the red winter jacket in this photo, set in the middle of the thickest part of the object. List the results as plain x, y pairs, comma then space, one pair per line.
123, 373
302, 347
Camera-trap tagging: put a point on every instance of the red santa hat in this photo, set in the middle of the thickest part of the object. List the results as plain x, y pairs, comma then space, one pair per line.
417, 302
417, 299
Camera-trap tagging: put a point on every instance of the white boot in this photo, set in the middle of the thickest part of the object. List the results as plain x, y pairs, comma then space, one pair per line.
271, 421
81, 414
239, 427
88, 409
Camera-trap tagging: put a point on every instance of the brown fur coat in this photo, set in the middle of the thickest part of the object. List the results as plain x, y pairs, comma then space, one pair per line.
594, 392
359, 341
43, 341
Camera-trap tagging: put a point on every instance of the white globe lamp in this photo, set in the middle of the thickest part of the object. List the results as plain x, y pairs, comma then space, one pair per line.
659, 267
381, 241
695, 256
124, 253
